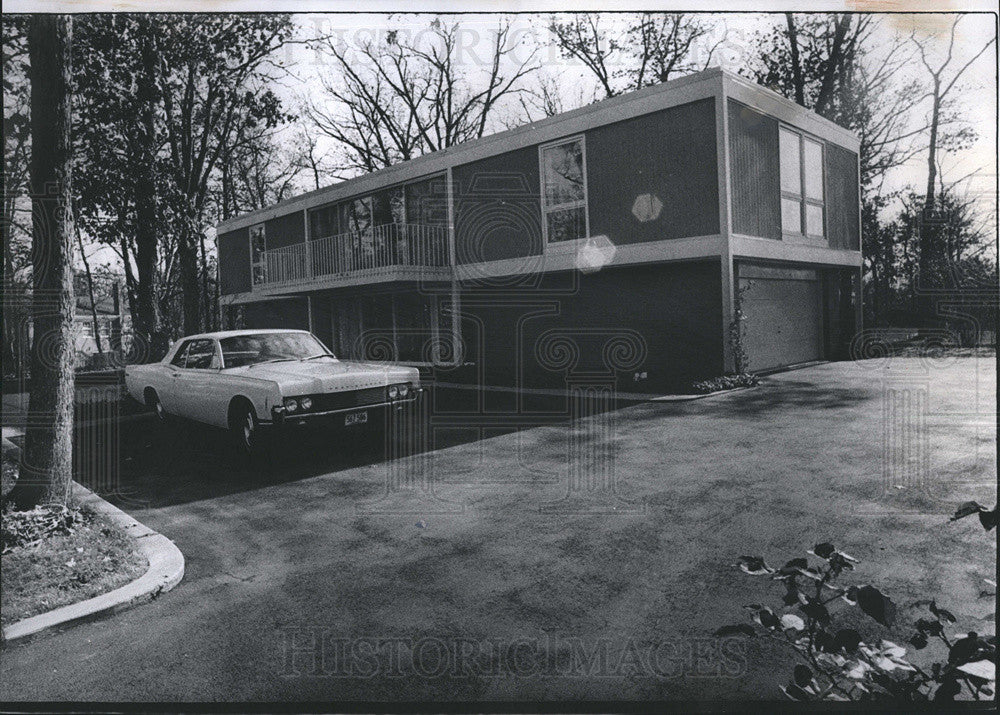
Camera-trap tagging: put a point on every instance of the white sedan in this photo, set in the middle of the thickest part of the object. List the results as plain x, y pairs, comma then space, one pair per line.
241, 380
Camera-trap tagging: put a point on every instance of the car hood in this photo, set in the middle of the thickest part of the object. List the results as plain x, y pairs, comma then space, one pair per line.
301, 377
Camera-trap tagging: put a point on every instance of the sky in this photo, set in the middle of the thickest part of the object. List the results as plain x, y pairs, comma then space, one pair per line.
736, 32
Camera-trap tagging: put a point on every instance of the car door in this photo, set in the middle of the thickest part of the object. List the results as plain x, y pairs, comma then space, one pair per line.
196, 381
167, 389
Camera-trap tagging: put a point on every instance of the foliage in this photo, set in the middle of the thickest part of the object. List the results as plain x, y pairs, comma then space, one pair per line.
16, 220
66, 567
853, 70
742, 377
204, 90
960, 262
841, 663
727, 382
737, 330
26, 528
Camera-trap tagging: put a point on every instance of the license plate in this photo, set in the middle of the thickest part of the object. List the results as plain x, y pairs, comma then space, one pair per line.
355, 418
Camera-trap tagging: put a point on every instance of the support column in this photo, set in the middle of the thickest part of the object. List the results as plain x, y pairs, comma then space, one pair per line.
456, 307
725, 226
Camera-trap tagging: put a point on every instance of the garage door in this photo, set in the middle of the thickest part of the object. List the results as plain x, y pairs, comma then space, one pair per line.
784, 316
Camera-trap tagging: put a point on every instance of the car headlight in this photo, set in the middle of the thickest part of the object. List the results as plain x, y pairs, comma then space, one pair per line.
404, 390
305, 403
290, 404
393, 392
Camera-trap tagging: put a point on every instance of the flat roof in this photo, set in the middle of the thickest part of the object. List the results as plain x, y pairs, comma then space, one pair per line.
683, 90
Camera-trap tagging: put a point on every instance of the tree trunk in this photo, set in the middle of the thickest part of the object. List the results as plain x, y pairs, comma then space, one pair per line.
793, 44
47, 461
12, 294
926, 266
146, 320
205, 295
90, 291
188, 254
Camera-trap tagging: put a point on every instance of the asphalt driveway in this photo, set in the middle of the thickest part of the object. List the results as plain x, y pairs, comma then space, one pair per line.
588, 560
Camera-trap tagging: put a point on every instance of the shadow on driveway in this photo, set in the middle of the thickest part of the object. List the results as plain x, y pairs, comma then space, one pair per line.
160, 465
182, 462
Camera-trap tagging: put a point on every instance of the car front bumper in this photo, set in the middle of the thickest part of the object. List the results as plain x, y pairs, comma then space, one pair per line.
280, 417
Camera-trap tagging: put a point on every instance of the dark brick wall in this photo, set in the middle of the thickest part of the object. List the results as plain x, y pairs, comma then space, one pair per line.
672, 313
497, 207
290, 313
670, 155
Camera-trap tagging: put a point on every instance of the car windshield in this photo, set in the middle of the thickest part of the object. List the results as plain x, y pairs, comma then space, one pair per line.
242, 350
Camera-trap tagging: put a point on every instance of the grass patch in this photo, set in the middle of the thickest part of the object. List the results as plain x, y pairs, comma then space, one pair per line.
44, 568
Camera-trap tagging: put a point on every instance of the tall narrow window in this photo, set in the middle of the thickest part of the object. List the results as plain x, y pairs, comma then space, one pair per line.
564, 191
801, 184
258, 255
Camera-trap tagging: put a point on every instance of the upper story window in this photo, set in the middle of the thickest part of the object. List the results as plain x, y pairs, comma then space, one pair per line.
801, 184
258, 257
564, 190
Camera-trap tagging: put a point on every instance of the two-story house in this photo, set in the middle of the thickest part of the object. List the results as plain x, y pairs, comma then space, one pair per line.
621, 238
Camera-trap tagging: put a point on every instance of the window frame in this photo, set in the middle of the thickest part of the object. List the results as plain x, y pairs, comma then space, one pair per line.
181, 353
584, 203
263, 262
216, 361
803, 200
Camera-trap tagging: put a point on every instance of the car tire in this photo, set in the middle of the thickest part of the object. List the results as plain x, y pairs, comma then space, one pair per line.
153, 401
244, 429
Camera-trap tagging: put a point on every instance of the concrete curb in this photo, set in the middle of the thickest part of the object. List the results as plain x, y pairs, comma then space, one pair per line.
717, 393
545, 392
622, 396
166, 569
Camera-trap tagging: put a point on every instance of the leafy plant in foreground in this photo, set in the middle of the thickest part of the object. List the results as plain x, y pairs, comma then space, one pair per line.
839, 663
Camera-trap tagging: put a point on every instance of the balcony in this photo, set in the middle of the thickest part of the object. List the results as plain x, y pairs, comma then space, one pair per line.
386, 252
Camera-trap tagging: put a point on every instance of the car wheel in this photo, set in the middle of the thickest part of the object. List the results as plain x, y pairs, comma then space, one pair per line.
245, 429
153, 400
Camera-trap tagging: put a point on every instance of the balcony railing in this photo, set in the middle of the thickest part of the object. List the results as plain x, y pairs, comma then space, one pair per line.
387, 246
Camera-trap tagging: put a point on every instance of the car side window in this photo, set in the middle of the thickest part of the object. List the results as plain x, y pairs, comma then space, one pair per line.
181, 355
200, 355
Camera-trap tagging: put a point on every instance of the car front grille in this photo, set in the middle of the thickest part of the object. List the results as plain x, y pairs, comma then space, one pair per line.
347, 400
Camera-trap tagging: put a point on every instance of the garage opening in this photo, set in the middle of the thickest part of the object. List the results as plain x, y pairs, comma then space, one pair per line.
784, 315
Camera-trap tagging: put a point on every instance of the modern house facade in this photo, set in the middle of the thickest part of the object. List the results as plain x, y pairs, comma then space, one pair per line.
620, 239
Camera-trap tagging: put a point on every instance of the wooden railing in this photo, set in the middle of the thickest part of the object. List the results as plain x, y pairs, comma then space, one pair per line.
386, 246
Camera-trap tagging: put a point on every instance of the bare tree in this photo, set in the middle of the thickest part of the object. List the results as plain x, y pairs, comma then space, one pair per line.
259, 170
46, 470
649, 49
943, 77
941, 88
310, 159
397, 97
857, 72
